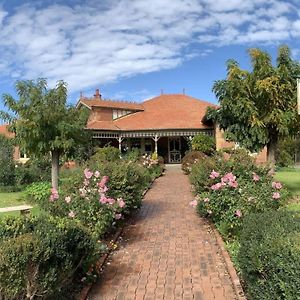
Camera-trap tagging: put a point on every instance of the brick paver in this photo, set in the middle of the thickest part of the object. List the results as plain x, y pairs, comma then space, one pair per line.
167, 253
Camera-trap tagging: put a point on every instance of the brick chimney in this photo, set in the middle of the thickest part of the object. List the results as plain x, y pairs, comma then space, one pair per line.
97, 94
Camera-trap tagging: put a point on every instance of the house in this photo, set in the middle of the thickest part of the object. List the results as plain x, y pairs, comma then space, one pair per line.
19, 156
164, 124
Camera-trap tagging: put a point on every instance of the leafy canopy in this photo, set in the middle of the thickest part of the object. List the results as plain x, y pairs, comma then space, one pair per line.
42, 119
258, 106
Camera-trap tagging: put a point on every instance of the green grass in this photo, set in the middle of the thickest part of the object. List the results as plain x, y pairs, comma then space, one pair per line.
290, 177
15, 199
11, 199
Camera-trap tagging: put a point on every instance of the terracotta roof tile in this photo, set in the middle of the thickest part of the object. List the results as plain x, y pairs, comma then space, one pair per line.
4, 131
112, 104
103, 125
176, 111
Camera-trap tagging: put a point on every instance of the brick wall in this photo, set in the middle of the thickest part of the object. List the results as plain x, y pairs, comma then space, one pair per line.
261, 157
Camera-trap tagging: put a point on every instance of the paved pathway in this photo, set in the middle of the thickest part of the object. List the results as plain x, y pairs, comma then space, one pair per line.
167, 253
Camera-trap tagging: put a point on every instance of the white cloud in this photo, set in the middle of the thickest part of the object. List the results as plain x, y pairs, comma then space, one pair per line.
90, 44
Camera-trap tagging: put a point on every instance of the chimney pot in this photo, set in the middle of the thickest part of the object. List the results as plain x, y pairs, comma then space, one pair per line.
97, 94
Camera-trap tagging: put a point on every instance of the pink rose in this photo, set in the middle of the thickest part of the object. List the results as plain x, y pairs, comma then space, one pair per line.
68, 199
255, 177
216, 186
238, 213
228, 177
214, 174
71, 214
206, 200
193, 203
103, 181
276, 195
118, 216
121, 202
111, 201
276, 185
87, 173
103, 199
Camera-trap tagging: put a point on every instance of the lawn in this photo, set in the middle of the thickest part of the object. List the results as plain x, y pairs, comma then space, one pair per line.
14, 199
290, 177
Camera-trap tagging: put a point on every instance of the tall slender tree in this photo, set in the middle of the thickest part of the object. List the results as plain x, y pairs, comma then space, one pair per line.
43, 122
258, 107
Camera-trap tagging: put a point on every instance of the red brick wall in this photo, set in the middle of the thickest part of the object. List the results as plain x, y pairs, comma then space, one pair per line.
100, 114
222, 143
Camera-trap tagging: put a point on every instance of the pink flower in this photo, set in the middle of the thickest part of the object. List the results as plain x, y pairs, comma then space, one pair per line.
276, 185
88, 174
103, 199
216, 186
118, 216
228, 177
111, 201
68, 199
233, 184
193, 203
205, 200
238, 213
103, 181
255, 177
121, 202
97, 174
54, 195
214, 174
276, 195
71, 214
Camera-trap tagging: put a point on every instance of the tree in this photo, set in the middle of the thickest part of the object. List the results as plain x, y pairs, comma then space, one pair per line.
43, 122
258, 107
7, 166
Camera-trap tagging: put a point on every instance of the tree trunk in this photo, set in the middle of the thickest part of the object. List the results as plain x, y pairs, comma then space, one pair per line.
54, 168
271, 149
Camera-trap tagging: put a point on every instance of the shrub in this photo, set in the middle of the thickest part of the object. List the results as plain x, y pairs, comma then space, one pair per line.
106, 154
7, 165
190, 158
41, 256
269, 256
229, 189
204, 143
38, 193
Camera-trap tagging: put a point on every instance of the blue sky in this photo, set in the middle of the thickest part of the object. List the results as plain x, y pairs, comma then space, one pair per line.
131, 49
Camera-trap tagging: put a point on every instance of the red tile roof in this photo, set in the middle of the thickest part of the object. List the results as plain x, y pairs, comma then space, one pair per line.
111, 104
176, 111
4, 131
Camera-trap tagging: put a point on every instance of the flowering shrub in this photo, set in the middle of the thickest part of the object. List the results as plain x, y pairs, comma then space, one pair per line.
88, 202
191, 158
233, 190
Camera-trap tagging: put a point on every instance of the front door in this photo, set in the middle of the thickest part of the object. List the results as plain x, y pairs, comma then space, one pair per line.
174, 150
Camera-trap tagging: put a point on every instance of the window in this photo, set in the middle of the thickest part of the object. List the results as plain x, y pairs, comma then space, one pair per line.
118, 113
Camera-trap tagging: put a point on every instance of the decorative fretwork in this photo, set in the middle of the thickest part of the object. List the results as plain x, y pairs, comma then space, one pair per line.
151, 134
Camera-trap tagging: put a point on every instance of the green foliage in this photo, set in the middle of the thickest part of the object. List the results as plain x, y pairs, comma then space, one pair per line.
287, 148
106, 154
42, 120
40, 256
232, 188
269, 256
132, 155
204, 143
38, 193
190, 158
7, 165
258, 107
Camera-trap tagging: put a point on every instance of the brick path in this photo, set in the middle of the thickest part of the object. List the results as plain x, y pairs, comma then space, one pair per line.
167, 253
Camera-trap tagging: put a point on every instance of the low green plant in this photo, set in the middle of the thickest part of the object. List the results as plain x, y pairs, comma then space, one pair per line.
191, 158
38, 193
269, 256
106, 154
204, 143
38, 256
231, 187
